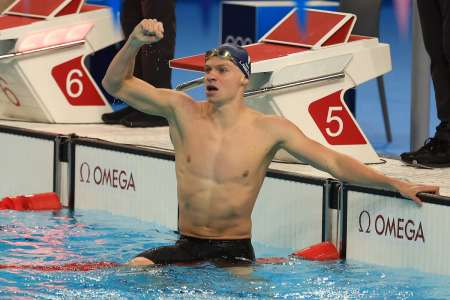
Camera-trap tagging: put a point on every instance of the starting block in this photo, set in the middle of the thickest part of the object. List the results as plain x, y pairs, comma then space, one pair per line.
44, 46
303, 75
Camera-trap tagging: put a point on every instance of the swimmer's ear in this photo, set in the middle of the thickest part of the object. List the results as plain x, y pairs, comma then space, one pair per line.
244, 80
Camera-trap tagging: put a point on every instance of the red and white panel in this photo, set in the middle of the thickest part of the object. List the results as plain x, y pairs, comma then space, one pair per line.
47, 80
65, 87
44, 9
323, 116
323, 28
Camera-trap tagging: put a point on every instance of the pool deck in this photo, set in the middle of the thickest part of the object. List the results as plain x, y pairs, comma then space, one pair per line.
158, 138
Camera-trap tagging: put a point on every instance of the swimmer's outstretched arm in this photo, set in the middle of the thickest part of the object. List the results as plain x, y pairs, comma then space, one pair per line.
340, 165
120, 82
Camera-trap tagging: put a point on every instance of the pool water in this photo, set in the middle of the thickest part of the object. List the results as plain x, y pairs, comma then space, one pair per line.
47, 238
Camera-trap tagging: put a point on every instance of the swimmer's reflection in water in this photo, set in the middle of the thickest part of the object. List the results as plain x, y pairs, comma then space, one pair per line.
223, 149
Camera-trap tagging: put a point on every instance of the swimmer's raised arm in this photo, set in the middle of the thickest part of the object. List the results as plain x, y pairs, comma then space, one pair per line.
342, 166
120, 82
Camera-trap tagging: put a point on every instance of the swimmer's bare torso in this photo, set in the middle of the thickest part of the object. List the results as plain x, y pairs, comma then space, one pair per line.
219, 170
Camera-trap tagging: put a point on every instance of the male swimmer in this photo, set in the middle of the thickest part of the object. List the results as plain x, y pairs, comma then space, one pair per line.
223, 149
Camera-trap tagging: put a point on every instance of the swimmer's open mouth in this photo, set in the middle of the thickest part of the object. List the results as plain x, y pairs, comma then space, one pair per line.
211, 88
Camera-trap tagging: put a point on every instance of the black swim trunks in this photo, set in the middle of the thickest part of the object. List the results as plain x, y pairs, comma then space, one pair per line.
190, 249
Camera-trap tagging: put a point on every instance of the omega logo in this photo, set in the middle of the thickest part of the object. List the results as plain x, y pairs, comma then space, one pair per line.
396, 227
238, 40
115, 178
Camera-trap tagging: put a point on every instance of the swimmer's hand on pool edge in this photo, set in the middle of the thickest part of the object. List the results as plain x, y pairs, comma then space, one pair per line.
148, 31
410, 190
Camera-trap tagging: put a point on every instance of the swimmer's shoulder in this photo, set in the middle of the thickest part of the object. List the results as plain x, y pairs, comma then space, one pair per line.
180, 97
277, 126
272, 121
183, 102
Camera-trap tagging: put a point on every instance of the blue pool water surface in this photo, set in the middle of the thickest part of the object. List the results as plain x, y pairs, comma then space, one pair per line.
46, 238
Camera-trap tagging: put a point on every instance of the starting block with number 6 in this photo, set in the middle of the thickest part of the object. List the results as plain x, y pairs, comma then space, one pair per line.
303, 75
43, 48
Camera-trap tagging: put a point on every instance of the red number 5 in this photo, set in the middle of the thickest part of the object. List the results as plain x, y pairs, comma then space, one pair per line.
334, 118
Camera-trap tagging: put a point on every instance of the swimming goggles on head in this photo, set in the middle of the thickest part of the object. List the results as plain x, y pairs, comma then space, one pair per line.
222, 53
225, 54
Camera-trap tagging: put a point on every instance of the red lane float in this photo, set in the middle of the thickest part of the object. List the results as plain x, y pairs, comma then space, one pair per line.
322, 251
44, 201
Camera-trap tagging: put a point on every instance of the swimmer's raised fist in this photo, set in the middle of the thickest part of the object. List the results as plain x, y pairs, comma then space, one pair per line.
148, 31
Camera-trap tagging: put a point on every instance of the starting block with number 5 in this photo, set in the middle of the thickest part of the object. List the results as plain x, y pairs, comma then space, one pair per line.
303, 75
43, 48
